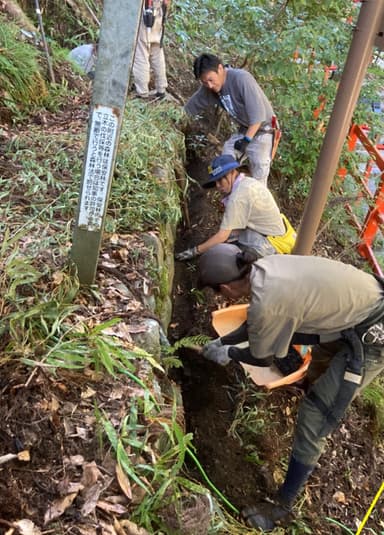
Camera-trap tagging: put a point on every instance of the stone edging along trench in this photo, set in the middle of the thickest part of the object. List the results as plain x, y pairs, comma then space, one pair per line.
162, 244
160, 305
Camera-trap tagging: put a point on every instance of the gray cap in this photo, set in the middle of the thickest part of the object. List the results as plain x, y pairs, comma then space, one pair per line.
219, 265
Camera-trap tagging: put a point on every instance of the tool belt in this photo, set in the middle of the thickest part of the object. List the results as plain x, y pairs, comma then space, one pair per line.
351, 380
265, 129
370, 332
148, 18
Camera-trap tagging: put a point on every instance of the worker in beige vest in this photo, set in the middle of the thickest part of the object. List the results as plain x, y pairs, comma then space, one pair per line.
149, 52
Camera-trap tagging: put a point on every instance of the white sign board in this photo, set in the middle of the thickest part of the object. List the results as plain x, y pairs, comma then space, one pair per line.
102, 137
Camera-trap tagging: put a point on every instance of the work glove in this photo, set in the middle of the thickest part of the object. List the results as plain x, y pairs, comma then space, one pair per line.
241, 144
216, 352
188, 254
214, 344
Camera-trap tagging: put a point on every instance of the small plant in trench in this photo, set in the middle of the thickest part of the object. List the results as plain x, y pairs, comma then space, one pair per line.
199, 295
191, 342
342, 526
170, 358
249, 421
298, 527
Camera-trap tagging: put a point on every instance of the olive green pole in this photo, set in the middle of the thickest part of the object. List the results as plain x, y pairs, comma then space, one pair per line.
118, 32
367, 28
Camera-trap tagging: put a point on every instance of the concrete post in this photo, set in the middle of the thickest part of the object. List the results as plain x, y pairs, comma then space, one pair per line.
118, 33
365, 34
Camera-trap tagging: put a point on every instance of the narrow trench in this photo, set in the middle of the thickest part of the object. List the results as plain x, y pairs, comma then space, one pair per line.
211, 393
247, 466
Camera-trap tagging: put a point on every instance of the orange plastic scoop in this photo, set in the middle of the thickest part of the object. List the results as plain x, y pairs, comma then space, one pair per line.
226, 320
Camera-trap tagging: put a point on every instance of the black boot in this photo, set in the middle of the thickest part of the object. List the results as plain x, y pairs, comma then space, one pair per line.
268, 514
297, 475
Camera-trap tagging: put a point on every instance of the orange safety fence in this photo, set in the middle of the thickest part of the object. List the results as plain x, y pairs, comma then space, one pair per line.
374, 218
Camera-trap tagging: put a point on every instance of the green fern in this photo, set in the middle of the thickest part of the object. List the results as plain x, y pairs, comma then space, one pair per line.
171, 362
191, 342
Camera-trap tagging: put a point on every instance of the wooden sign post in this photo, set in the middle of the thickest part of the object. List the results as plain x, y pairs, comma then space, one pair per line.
118, 32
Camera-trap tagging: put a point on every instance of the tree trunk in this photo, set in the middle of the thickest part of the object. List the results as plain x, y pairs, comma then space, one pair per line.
14, 11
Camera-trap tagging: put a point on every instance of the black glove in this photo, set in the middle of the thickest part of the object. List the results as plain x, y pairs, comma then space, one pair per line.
242, 144
290, 363
188, 254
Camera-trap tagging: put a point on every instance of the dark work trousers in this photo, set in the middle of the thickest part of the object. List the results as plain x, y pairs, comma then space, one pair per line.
326, 372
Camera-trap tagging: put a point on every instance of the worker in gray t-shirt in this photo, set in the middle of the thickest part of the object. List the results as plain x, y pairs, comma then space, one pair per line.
251, 219
334, 307
239, 94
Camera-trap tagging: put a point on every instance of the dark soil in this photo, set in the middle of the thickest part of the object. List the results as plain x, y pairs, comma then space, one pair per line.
351, 470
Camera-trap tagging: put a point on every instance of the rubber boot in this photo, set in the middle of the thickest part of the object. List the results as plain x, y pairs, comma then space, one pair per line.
269, 514
266, 515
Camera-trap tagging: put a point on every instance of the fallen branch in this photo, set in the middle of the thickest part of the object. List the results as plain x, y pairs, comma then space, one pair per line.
49, 62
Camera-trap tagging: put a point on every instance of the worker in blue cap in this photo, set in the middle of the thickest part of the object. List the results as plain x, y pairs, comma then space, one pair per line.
251, 218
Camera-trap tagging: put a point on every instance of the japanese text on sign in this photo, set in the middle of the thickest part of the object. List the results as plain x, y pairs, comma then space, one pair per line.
101, 145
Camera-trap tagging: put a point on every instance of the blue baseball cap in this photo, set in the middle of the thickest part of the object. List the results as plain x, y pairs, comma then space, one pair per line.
219, 167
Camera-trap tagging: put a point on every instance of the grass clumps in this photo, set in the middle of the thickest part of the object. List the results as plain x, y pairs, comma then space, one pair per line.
373, 398
22, 85
150, 159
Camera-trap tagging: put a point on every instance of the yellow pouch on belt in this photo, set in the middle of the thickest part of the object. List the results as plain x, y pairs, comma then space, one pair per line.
284, 244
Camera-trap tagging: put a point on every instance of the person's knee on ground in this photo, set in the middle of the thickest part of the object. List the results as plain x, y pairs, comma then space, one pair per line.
255, 245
